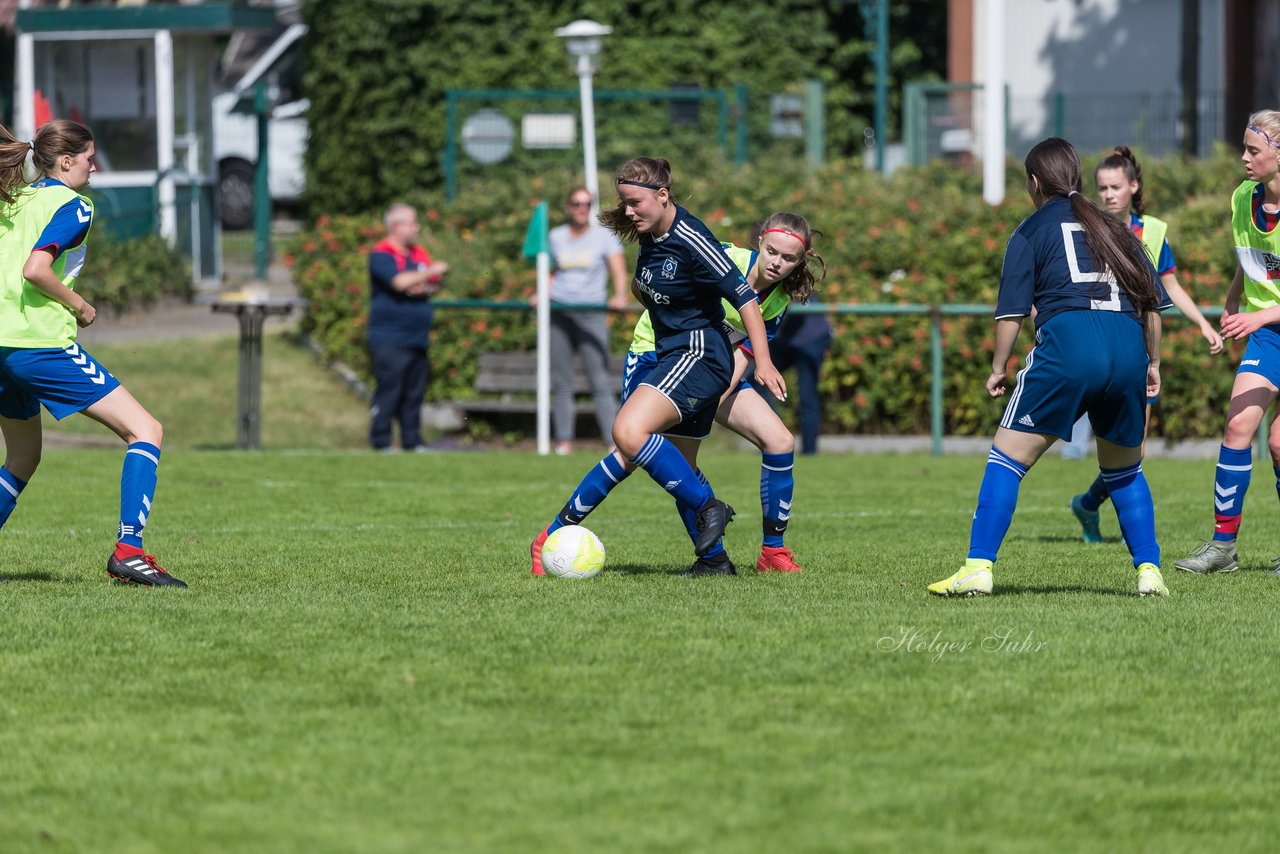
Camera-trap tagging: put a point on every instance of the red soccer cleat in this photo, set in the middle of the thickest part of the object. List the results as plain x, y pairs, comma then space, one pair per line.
778, 559
535, 550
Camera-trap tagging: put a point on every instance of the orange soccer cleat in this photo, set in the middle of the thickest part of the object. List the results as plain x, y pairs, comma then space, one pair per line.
779, 559
535, 550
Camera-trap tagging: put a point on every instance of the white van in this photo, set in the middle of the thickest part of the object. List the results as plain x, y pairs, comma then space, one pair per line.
235, 135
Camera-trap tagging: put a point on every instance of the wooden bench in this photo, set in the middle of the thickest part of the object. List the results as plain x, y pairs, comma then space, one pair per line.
511, 380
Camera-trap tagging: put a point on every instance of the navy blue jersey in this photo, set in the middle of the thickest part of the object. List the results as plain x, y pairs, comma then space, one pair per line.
1047, 265
682, 277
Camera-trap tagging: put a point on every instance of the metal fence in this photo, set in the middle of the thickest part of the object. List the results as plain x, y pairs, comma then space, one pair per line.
495, 132
944, 121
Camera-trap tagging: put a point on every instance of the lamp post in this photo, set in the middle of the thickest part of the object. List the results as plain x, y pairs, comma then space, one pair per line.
584, 40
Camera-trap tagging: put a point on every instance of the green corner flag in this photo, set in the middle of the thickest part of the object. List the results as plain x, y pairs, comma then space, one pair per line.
535, 239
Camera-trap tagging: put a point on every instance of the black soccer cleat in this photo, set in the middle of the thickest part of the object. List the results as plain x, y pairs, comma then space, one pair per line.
141, 569
713, 518
717, 565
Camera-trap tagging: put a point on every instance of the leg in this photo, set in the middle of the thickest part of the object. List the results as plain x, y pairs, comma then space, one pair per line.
594, 350
562, 397
808, 371
415, 390
124, 416
22, 444
748, 415
388, 375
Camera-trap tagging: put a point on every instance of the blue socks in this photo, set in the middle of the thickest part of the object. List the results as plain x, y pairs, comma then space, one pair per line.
1230, 483
1097, 494
663, 462
594, 488
10, 488
777, 483
137, 488
1132, 499
997, 499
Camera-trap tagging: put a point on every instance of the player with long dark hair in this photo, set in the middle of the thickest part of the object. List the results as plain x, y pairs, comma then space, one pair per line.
1096, 300
1255, 212
43, 228
680, 277
1119, 181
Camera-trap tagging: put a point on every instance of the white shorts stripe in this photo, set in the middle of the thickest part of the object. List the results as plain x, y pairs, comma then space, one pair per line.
697, 348
1011, 409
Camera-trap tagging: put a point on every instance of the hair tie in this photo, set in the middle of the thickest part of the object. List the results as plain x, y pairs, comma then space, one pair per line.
1073, 193
1262, 133
29, 171
622, 181
787, 232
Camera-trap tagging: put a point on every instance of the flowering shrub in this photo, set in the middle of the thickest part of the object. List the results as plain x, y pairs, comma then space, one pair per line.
922, 236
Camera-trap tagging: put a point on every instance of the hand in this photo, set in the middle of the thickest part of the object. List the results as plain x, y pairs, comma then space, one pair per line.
1211, 335
619, 302
1153, 381
1241, 325
85, 314
767, 375
995, 383
533, 300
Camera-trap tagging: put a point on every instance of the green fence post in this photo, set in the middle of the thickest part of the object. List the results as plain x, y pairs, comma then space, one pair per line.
722, 135
1059, 114
740, 149
815, 123
261, 187
935, 379
450, 146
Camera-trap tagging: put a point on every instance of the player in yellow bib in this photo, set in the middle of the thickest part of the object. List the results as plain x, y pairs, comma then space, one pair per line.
1252, 311
43, 227
777, 269
1119, 183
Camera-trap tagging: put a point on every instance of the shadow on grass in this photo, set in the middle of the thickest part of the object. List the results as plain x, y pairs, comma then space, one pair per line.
1073, 538
32, 576
1040, 589
646, 569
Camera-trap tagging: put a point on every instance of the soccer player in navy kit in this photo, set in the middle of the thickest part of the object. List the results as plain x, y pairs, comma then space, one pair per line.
1096, 300
681, 275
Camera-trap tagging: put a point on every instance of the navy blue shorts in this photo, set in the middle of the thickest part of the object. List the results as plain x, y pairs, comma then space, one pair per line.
1262, 355
693, 375
65, 381
1091, 362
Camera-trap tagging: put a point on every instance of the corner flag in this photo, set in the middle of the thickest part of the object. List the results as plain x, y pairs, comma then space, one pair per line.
535, 239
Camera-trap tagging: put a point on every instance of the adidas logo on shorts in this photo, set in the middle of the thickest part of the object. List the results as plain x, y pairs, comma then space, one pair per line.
1026, 421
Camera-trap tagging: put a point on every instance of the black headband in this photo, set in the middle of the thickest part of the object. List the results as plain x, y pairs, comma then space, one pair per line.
622, 181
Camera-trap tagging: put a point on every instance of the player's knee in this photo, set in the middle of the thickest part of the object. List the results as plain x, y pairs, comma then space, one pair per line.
778, 441
148, 430
628, 439
1240, 430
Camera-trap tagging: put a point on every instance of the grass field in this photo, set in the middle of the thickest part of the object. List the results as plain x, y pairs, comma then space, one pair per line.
363, 663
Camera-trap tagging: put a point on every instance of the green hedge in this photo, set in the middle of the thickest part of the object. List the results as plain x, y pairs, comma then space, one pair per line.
118, 276
921, 236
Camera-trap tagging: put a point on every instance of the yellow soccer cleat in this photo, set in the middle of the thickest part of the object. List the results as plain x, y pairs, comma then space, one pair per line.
1150, 581
974, 579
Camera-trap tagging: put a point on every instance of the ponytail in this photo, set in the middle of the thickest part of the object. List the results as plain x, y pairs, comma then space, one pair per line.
1113, 245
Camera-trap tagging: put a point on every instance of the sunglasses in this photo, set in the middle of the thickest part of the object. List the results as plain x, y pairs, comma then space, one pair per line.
579, 204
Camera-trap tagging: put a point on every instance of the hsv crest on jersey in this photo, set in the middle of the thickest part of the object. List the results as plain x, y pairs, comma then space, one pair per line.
669, 268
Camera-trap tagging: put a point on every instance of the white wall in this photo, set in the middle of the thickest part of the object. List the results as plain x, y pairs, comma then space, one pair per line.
1116, 62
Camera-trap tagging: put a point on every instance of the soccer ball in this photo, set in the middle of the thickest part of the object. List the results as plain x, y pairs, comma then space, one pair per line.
573, 552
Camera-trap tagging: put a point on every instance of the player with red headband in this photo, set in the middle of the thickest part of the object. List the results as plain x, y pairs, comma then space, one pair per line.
776, 266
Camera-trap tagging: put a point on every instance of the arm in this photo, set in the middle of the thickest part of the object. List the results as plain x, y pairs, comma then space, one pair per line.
766, 374
1241, 324
1187, 306
39, 272
424, 282
1151, 335
621, 285
1007, 329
